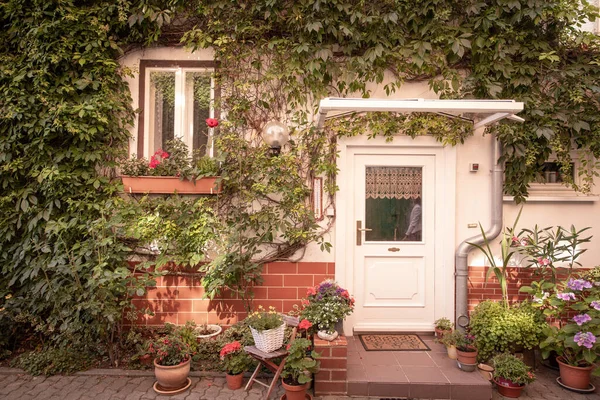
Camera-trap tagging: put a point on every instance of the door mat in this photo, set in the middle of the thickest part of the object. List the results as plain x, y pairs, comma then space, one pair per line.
393, 342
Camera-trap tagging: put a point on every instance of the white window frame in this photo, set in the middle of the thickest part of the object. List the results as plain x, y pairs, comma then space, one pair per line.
181, 68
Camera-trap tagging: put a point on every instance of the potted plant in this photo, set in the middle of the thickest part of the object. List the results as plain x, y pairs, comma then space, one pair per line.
442, 326
466, 351
449, 340
235, 362
510, 375
171, 362
326, 304
267, 329
207, 331
170, 170
300, 364
574, 338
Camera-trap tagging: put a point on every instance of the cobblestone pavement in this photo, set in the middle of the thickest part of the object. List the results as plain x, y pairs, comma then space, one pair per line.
136, 385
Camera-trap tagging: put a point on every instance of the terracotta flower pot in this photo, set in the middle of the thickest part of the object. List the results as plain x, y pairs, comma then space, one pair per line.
172, 377
467, 357
439, 333
507, 388
575, 377
295, 392
234, 382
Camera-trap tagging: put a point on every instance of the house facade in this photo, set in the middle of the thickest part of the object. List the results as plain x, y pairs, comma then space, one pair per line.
403, 277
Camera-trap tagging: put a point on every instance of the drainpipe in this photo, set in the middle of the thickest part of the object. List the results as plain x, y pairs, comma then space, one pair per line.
462, 272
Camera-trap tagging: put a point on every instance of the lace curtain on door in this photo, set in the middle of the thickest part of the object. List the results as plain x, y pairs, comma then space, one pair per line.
394, 182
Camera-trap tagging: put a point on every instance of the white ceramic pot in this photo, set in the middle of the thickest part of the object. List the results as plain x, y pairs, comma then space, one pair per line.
327, 336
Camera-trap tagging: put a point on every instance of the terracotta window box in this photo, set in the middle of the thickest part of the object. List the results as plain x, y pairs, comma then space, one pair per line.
170, 184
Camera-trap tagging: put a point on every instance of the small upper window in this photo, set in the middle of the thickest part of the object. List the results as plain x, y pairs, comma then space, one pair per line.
552, 173
176, 99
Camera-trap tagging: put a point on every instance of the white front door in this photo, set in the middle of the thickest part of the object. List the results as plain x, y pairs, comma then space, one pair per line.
394, 265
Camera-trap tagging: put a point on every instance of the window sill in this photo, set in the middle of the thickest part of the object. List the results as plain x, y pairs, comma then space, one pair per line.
555, 198
170, 185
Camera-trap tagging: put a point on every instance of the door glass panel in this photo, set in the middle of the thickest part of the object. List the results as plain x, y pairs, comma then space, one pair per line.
393, 204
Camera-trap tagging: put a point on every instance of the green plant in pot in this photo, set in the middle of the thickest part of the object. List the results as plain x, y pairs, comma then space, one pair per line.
300, 364
235, 363
442, 327
500, 329
511, 374
576, 306
450, 340
466, 351
171, 362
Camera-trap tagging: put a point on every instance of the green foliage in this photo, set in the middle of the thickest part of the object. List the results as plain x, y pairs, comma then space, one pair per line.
300, 363
444, 324
171, 349
509, 367
235, 359
451, 339
53, 361
498, 329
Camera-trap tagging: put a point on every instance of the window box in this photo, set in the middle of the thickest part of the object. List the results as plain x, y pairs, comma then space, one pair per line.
171, 184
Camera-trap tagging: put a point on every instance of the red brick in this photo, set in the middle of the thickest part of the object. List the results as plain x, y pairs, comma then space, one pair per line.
282, 268
339, 352
341, 341
222, 319
186, 292
298, 280
161, 293
283, 293
288, 305
260, 292
330, 387
331, 269
175, 306
200, 305
340, 375
227, 306
198, 317
161, 318
315, 268
273, 280
320, 278
278, 304
323, 376
333, 363
325, 352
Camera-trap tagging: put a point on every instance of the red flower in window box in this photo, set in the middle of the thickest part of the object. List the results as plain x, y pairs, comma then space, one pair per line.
212, 122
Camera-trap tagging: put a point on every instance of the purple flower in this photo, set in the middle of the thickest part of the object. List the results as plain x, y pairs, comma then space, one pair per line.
586, 339
566, 296
582, 319
579, 284
595, 304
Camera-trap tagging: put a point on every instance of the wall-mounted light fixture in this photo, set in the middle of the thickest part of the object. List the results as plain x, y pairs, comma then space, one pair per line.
275, 134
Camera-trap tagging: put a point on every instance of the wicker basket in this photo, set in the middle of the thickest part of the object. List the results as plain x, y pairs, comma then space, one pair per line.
269, 340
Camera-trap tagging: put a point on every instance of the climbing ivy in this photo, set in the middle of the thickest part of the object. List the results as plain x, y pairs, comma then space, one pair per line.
65, 110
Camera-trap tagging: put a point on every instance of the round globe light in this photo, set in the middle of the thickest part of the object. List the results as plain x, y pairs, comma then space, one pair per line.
275, 134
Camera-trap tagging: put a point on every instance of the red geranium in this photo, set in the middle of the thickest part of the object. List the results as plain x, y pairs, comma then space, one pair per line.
304, 324
230, 348
212, 122
311, 291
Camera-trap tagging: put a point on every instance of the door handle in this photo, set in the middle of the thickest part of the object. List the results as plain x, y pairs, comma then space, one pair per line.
394, 249
359, 231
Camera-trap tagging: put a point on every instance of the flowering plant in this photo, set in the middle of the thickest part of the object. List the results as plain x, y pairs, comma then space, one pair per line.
576, 306
300, 363
174, 160
170, 350
235, 360
466, 342
509, 369
263, 320
326, 304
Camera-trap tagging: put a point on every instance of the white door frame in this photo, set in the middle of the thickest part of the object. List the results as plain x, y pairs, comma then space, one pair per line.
445, 212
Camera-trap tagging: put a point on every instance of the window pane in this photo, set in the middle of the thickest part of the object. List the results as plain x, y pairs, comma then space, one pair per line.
162, 109
393, 204
198, 103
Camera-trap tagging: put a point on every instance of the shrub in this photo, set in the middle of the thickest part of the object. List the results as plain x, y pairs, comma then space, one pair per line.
500, 329
443, 324
510, 368
53, 361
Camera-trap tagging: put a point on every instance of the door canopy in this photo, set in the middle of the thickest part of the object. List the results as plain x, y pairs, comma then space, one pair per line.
482, 112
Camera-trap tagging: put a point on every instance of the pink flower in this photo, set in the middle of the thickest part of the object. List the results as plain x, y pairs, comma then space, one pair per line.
311, 291
543, 261
304, 324
212, 122
305, 302
153, 162
346, 294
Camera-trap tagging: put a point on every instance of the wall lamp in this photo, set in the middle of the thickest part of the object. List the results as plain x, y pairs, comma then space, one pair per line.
275, 134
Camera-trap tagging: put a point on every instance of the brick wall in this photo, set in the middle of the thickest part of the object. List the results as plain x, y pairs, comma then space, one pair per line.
478, 290
331, 378
179, 298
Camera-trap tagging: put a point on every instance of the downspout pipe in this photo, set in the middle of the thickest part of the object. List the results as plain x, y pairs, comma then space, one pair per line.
462, 253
